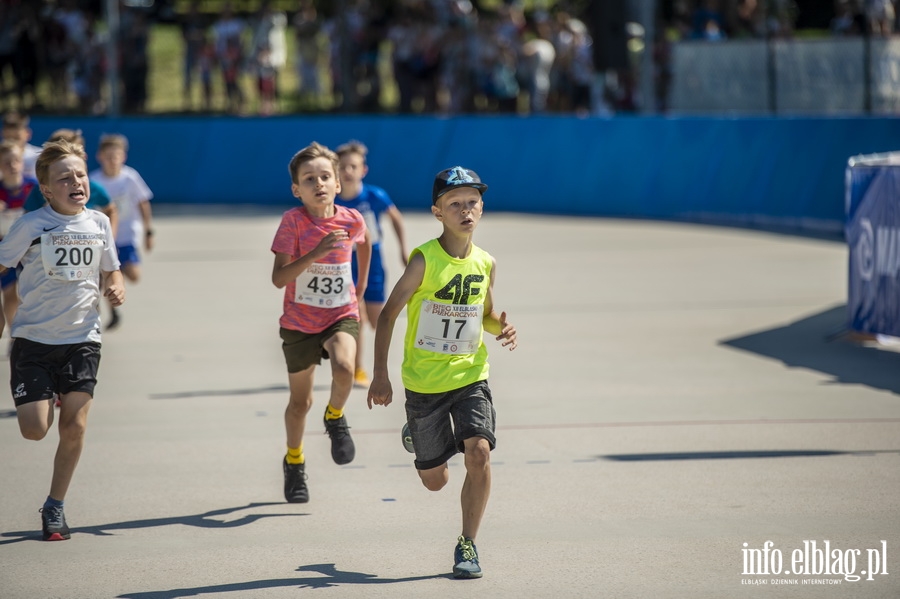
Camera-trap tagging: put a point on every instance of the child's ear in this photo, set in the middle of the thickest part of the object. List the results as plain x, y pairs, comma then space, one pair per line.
436, 212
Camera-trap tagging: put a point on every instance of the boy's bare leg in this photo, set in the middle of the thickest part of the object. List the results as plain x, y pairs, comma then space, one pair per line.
35, 419
10, 304
435, 479
477, 487
72, 425
341, 348
299, 404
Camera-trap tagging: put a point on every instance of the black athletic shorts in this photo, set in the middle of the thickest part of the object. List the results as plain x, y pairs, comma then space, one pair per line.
37, 371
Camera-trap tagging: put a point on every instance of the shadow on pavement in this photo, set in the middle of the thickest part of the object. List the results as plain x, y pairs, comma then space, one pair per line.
809, 343
737, 455
330, 577
204, 520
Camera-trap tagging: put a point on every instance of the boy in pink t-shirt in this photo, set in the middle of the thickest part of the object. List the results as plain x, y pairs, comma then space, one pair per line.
312, 250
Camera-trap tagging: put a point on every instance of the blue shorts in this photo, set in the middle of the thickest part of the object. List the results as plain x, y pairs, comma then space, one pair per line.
439, 423
8, 278
375, 287
128, 254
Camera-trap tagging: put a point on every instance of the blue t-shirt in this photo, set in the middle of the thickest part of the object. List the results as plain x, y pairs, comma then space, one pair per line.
371, 202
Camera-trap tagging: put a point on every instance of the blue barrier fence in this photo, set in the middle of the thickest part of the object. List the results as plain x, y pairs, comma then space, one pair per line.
873, 235
751, 171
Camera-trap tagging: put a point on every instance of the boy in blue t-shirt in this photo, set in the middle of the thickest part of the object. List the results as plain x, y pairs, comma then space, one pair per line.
371, 202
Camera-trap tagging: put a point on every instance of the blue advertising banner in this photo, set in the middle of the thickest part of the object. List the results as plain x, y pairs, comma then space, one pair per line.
873, 236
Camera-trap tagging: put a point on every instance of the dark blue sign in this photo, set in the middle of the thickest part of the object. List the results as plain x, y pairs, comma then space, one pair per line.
873, 234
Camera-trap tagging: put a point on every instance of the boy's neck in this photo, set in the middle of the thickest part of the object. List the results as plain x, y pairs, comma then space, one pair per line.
457, 247
350, 192
14, 184
321, 211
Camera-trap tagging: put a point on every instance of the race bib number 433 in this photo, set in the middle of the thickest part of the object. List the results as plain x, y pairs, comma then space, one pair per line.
324, 285
71, 256
449, 328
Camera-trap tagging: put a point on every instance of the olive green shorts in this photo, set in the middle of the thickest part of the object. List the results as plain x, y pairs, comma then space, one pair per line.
302, 350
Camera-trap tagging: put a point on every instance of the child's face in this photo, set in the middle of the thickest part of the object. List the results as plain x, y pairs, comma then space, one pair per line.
317, 183
459, 209
67, 188
11, 167
19, 135
353, 169
111, 160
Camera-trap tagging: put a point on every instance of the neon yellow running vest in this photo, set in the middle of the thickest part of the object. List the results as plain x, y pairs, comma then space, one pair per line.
444, 349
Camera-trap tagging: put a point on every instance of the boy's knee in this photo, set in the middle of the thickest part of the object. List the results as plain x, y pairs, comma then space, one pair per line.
342, 369
33, 434
435, 480
300, 404
478, 454
73, 429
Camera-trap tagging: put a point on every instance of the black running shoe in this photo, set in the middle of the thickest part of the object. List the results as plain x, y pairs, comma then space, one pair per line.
114, 319
53, 524
342, 449
295, 490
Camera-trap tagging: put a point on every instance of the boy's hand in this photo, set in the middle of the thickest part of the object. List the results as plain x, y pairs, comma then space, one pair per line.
380, 391
507, 334
115, 294
333, 241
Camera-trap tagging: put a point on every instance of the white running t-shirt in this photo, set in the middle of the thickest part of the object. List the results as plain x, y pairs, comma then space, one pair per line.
127, 190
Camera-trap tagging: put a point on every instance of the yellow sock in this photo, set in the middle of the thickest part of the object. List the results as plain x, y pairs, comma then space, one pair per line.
332, 413
295, 456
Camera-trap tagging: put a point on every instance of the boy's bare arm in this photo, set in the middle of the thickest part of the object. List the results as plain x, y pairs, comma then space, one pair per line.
114, 287
496, 324
147, 215
286, 269
363, 262
380, 391
397, 222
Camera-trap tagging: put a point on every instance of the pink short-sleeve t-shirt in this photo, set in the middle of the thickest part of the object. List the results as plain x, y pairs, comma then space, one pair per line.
324, 293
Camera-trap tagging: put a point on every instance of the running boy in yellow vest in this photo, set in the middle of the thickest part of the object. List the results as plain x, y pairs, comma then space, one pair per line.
448, 291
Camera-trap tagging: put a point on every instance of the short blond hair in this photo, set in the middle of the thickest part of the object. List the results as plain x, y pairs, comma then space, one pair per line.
71, 135
352, 147
55, 151
7, 147
311, 152
113, 140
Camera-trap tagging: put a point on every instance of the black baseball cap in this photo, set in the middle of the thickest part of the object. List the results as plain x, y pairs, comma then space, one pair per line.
452, 178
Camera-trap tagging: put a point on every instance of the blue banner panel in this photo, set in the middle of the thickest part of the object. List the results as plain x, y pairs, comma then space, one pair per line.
873, 236
784, 172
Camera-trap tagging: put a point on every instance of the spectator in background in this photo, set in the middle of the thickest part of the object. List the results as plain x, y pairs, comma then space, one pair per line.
845, 22
707, 22
57, 50
537, 58
881, 15
228, 33
193, 34
308, 55
133, 40
269, 41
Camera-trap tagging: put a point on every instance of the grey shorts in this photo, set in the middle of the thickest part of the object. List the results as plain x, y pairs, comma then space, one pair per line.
440, 422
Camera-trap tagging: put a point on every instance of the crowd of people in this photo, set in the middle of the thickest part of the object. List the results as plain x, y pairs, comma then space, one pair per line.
437, 56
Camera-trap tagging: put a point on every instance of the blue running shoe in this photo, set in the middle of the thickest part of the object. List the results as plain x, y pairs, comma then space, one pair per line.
407, 439
466, 558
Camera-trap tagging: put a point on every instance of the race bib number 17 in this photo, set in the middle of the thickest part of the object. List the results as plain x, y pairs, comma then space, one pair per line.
449, 328
324, 285
71, 256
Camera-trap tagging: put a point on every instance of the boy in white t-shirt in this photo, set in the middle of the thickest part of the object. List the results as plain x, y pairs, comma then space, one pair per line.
66, 259
132, 196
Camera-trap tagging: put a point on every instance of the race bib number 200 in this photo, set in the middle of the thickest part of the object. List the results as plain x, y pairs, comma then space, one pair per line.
449, 328
324, 285
71, 256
